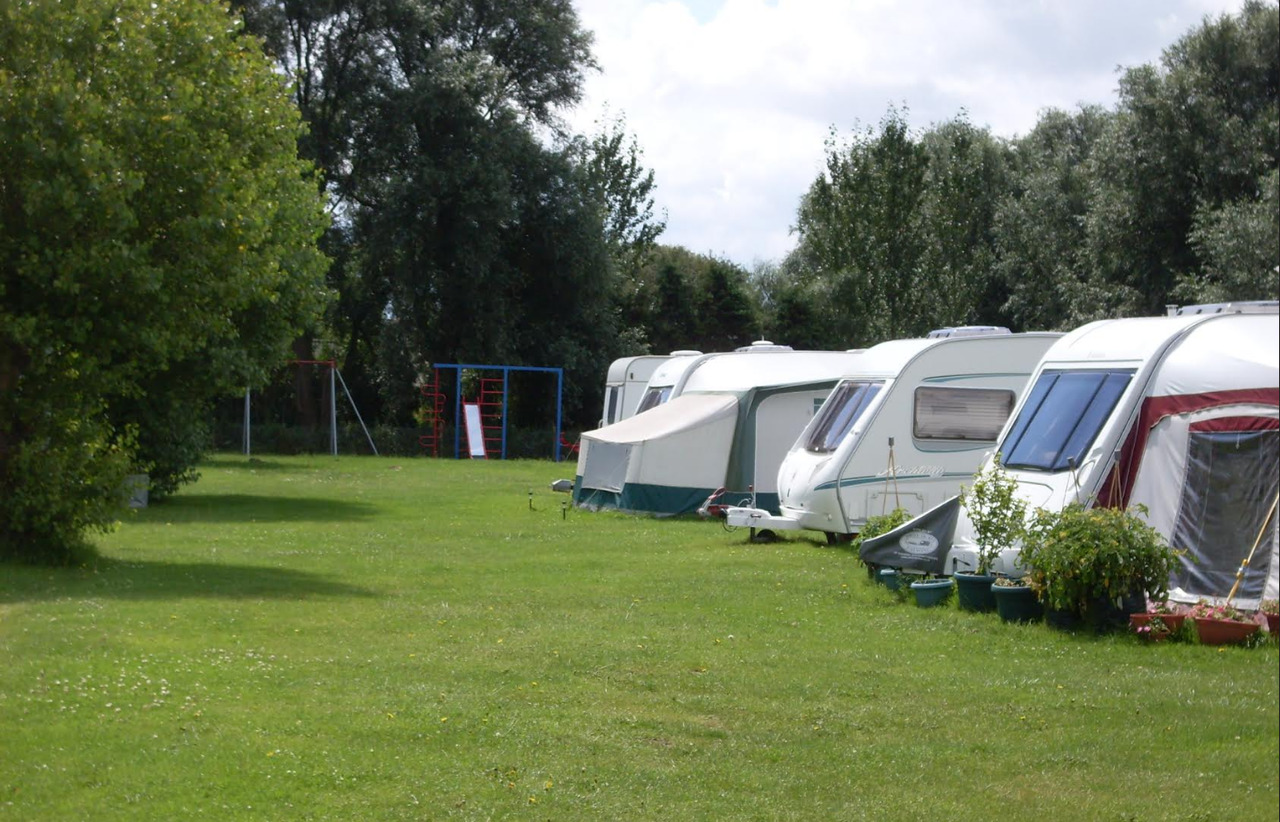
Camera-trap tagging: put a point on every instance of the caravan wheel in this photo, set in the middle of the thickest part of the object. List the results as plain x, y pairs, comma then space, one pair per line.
838, 539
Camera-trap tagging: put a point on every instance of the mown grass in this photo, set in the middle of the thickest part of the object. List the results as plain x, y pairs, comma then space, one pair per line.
364, 638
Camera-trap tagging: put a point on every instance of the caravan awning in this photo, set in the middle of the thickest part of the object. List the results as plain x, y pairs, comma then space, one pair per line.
681, 414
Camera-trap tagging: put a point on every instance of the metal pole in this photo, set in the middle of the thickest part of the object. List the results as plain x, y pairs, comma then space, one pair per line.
333, 410
505, 374
352, 400
246, 421
457, 413
559, 395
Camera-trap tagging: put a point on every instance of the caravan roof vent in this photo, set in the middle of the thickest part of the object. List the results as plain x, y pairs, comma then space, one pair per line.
763, 345
685, 352
1244, 307
967, 331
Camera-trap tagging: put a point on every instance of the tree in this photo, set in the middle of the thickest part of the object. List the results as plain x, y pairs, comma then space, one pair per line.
1191, 137
433, 122
624, 188
726, 316
157, 244
968, 173
1040, 222
1240, 245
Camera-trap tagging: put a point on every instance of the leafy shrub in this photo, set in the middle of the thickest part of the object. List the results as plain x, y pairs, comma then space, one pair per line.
877, 525
1080, 556
57, 487
995, 510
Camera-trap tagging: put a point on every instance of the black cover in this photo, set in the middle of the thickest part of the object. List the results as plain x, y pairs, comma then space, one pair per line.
920, 544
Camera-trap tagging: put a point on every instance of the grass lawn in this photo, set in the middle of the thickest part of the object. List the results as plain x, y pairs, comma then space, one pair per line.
365, 638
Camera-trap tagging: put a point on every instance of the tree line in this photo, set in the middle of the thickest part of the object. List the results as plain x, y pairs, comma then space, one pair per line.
192, 194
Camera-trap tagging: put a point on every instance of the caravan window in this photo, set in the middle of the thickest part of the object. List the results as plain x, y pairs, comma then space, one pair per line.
961, 413
1062, 416
838, 414
611, 412
654, 397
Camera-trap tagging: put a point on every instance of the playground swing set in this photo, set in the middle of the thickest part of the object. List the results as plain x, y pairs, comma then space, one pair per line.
483, 415
335, 378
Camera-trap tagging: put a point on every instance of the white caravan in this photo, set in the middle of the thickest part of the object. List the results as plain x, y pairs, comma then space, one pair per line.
662, 383
905, 429
1180, 414
626, 381
729, 421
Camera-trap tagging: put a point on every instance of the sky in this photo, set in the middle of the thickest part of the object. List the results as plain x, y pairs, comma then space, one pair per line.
731, 101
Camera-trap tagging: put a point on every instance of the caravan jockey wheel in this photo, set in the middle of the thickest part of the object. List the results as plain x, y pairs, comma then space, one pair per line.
764, 535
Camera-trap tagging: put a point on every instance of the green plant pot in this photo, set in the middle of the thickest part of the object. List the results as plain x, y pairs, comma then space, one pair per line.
973, 592
931, 592
888, 577
1017, 603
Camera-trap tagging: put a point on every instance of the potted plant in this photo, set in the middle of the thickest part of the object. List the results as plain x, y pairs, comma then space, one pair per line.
1166, 612
931, 590
1152, 629
997, 514
1270, 608
1091, 567
1016, 600
1222, 624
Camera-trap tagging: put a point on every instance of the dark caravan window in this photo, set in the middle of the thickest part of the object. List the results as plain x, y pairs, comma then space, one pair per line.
653, 397
838, 414
1231, 480
611, 415
1063, 414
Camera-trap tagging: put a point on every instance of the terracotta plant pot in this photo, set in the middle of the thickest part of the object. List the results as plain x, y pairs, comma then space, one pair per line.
1273, 624
1224, 631
1173, 621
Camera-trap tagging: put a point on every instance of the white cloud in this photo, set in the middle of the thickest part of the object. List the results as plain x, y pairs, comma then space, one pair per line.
731, 100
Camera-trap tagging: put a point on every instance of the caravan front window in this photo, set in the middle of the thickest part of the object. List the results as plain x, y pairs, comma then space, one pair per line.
654, 397
1062, 416
842, 409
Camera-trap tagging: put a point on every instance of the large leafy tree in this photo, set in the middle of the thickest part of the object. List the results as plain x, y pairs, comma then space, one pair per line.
968, 173
157, 244
858, 236
1040, 222
435, 124
1197, 134
896, 222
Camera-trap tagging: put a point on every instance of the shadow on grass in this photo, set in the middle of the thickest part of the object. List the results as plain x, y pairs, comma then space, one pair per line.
106, 578
253, 508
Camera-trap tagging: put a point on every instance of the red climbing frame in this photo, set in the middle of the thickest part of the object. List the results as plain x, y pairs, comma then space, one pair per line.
433, 417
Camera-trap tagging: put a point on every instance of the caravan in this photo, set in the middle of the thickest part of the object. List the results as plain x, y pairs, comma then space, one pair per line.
665, 377
904, 429
627, 380
727, 421
1180, 414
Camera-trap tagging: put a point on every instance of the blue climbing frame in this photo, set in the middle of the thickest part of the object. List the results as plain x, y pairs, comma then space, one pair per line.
506, 370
